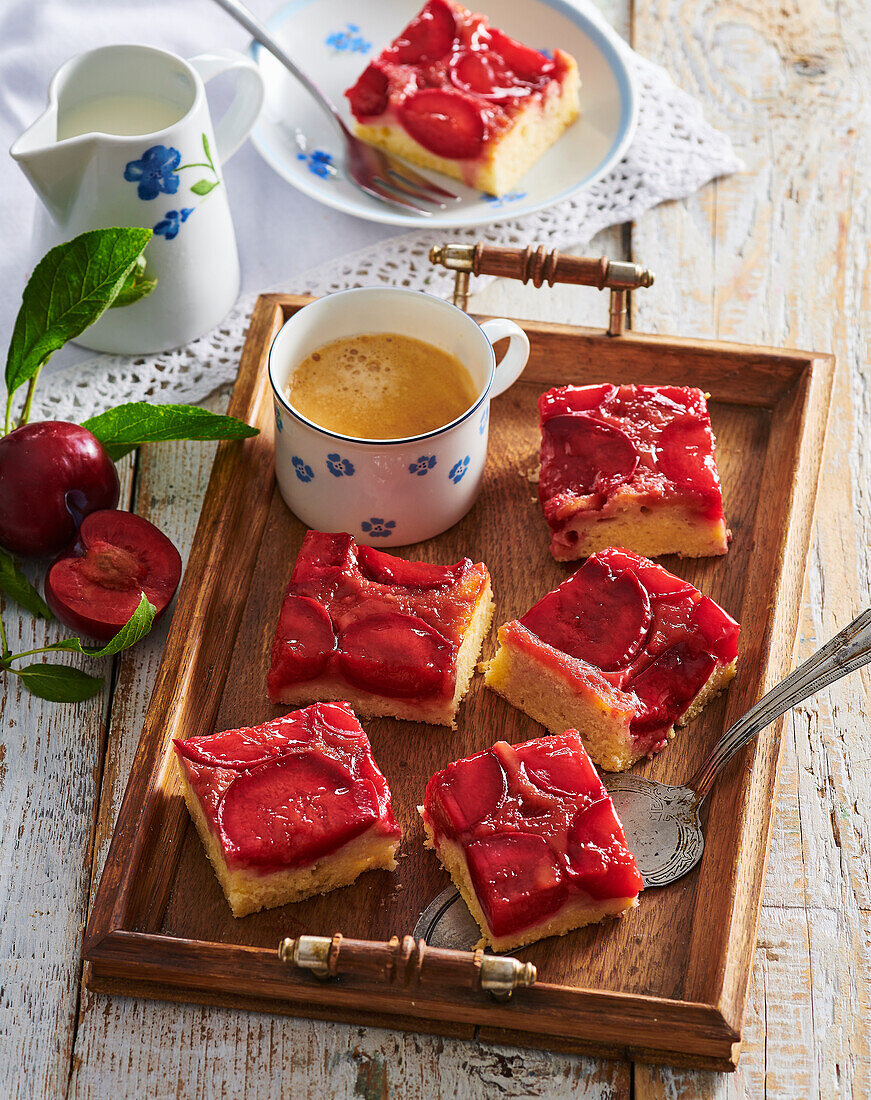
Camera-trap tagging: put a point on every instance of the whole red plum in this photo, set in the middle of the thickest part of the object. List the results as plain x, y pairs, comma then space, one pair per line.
52, 474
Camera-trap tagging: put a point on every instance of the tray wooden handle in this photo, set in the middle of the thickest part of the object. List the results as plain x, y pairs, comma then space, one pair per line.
538, 266
407, 962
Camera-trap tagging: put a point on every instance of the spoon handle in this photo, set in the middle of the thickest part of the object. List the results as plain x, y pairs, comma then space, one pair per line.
848, 650
260, 34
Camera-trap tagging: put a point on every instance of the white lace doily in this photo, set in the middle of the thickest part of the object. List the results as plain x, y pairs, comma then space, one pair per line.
674, 152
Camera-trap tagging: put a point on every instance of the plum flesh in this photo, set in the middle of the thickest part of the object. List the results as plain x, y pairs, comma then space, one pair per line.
96, 585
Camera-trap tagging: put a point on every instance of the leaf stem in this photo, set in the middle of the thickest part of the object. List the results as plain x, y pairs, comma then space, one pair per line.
27, 653
7, 427
195, 164
31, 387
4, 645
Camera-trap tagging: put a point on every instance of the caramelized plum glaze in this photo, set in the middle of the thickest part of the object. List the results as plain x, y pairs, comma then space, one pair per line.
453, 82
291, 791
623, 619
382, 624
596, 440
537, 828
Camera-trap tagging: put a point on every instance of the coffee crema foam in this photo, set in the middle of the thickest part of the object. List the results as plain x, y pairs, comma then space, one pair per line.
381, 386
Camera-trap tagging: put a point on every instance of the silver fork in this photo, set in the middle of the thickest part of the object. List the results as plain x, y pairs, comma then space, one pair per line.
377, 173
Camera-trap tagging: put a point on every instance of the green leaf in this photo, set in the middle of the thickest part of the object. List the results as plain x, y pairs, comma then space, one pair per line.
203, 187
137, 285
125, 427
15, 585
69, 289
60, 683
133, 631
206, 149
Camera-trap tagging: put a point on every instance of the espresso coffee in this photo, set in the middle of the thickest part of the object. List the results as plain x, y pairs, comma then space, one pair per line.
381, 386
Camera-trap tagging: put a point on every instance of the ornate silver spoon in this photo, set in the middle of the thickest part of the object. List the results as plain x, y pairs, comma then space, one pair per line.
663, 829
662, 825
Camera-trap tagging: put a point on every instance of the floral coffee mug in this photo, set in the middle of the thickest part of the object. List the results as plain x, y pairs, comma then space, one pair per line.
127, 139
388, 492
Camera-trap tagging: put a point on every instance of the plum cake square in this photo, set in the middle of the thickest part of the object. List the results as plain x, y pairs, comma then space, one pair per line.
630, 466
289, 809
531, 840
393, 637
456, 95
623, 651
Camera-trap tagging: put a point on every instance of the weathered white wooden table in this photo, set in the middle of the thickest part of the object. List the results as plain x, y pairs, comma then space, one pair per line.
778, 255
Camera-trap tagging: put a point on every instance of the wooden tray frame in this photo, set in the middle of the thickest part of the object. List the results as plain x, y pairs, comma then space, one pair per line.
124, 952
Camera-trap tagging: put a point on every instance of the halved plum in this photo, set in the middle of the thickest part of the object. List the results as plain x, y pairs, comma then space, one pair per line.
668, 686
718, 628
294, 810
307, 639
574, 399
388, 569
97, 583
588, 454
598, 859
399, 656
559, 764
596, 615
483, 75
428, 37
369, 96
517, 880
243, 749
654, 578
323, 555
686, 455
471, 790
523, 62
446, 121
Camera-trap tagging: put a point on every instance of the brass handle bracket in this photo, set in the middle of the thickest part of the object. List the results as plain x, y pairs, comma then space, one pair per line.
538, 266
407, 962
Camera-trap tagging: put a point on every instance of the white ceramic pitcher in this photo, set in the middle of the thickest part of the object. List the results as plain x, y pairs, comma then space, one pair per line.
141, 151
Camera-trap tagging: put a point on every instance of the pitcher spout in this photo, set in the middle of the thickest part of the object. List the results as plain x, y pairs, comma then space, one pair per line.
55, 168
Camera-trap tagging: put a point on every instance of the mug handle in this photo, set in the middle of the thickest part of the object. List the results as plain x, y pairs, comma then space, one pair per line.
510, 366
242, 113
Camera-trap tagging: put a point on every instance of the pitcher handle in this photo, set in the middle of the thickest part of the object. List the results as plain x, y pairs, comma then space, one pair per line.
242, 113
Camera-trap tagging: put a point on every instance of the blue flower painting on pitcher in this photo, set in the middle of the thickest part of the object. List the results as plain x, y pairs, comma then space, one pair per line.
156, 173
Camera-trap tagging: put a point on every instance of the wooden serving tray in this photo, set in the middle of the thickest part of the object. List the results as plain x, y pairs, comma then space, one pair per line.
665, 983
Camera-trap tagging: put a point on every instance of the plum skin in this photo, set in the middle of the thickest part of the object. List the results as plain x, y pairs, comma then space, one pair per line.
52, 474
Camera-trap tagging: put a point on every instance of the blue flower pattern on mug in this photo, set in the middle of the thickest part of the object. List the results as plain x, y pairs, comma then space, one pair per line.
349, 40
168, 226
482, 423
279, 423
377, 528
319, 163
458, 470
423, 465
154, 172
303, 471
340, 467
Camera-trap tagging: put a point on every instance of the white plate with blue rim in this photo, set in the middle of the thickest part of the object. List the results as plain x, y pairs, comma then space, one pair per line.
334, 40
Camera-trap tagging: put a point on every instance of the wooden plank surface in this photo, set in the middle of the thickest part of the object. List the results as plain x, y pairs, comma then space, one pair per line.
778, 255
